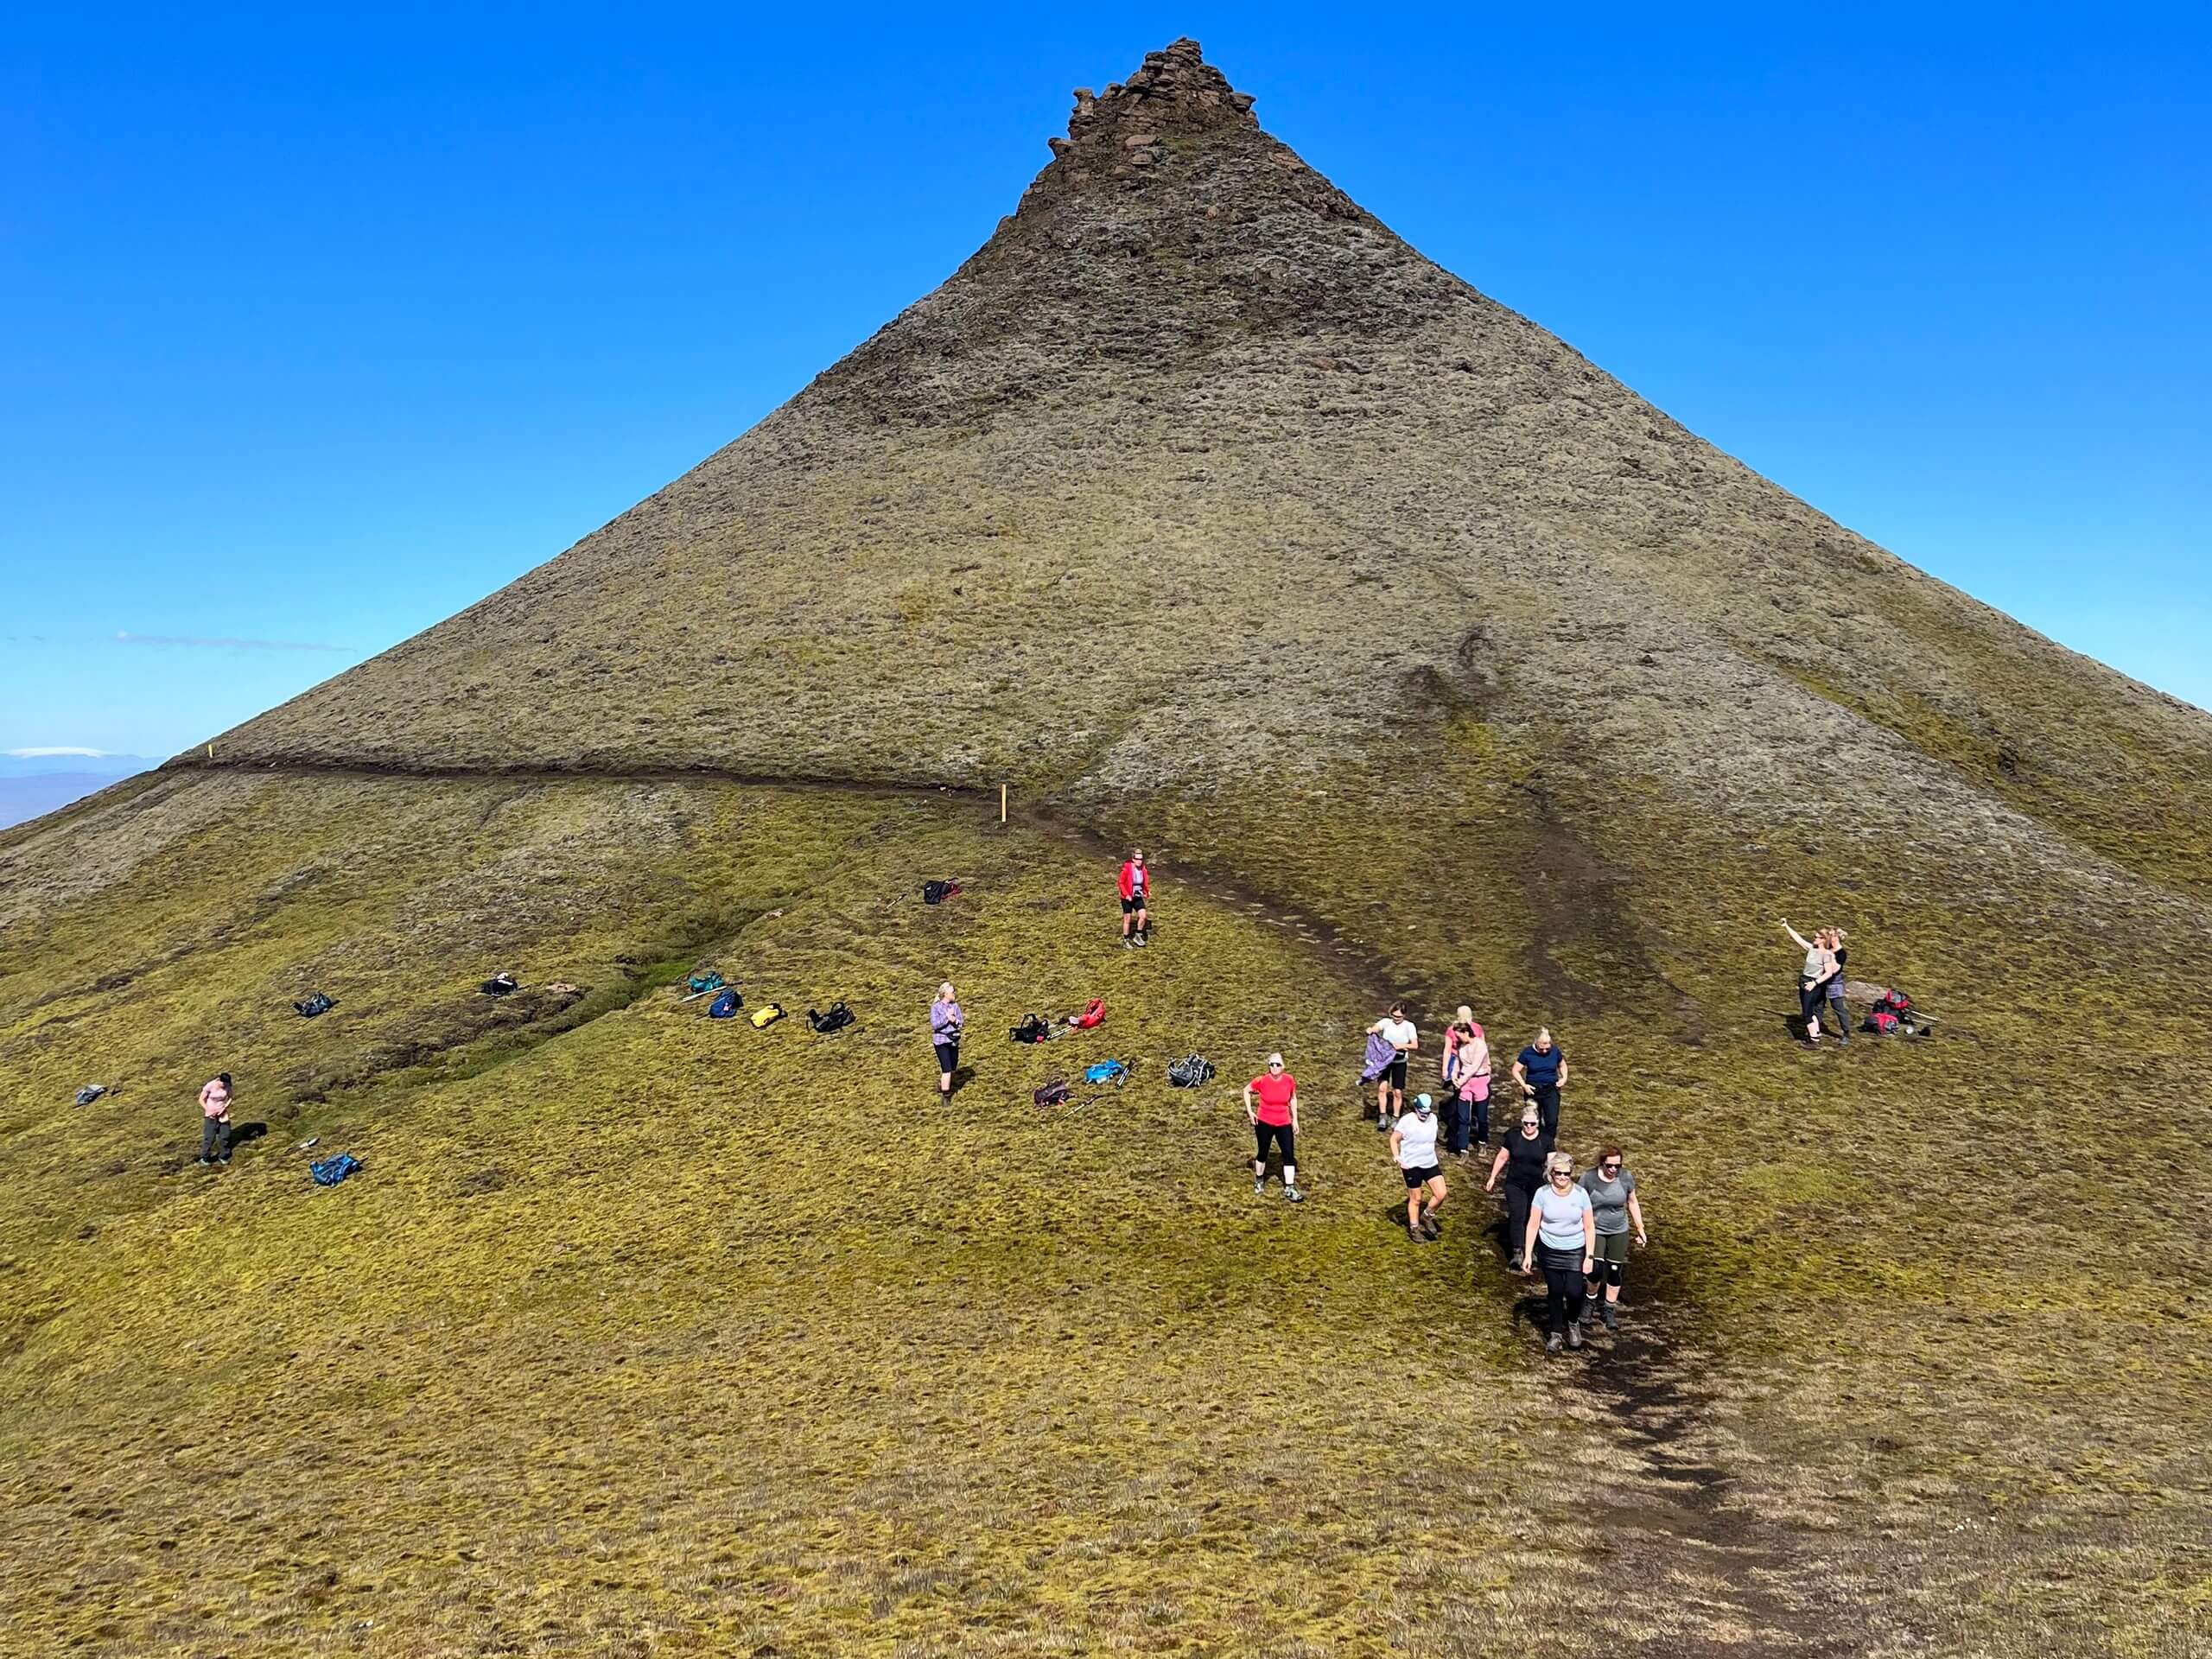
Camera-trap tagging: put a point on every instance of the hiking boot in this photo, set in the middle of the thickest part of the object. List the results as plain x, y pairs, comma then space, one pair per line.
1431, 1227
1612, 1317
225, 1162
1260, 1187
1415, 1233
1513, 1263
1293, 1195
1574, 1334
1126, 944
1552, 1343
203, 1162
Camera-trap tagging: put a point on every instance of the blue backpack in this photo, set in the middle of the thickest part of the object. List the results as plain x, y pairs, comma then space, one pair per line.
331, 1171
724, 1007
1111, 1072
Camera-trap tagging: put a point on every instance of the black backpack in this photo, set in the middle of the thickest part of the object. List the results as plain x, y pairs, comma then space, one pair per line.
1054, 1093
836, 1017
1190, 1072
1033, 1029
316, 1003
936, 893
498, 985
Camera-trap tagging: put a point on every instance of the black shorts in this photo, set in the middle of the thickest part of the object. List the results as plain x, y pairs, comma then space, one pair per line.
1279, 1134
1418, 1177
1394, 1074
947, 1056
1133, 903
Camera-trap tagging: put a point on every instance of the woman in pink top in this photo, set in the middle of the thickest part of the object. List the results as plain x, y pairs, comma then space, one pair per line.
1466, 1081
215, 1120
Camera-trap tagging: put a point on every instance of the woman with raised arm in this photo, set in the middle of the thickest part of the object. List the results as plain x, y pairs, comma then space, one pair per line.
1541, 1070
1819, 964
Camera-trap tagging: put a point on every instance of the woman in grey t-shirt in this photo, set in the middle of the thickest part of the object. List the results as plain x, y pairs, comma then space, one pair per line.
1613, 1212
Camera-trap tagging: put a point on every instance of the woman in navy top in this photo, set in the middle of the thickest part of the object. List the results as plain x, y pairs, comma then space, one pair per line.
1541, 1070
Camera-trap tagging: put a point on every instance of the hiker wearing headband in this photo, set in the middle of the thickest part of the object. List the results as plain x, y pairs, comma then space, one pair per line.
1137, 899
1413, 1147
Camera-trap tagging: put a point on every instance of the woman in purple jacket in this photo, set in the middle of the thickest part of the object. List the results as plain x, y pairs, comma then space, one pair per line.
944, 1033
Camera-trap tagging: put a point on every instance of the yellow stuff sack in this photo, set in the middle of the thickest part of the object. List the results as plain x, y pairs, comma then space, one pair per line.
766, 1014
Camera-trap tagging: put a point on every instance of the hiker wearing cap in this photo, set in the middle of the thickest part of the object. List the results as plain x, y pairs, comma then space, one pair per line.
1541, 1070
1613, 1209
1819, 964
215, 1120
1521, 1161
1561, 1239
1467, 1083
1136, 898
945, 1021
1832, 987
1271, 1102
1390, 1084
1413, 1146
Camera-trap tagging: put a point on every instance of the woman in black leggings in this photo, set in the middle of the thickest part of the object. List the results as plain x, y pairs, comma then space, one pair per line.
1521, 1161
1562, 1239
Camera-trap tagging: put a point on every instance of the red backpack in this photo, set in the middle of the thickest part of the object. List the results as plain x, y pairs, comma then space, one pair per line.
1093, 1014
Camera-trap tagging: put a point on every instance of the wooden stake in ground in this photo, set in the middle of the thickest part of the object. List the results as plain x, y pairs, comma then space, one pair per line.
1002, 802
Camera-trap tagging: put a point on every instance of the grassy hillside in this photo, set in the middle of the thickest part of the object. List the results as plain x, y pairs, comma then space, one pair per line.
641, 1333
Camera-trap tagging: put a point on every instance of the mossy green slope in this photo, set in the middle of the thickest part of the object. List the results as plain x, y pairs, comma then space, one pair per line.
642, 1332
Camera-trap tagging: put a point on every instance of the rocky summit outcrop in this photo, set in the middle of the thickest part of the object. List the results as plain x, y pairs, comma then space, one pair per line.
1195, 477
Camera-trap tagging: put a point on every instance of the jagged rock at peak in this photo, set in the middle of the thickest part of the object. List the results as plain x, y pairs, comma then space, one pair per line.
1195, 478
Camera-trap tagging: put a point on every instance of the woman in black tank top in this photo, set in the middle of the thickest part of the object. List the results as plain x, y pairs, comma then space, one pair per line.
1521, 1159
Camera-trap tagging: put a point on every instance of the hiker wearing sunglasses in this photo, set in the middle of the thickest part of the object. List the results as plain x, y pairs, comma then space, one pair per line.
945, 1021
1562, 1238
1541, 1070
1136, 898
1390, 1085
1271, 1102
1520, 1158
1413, 1147
1467, 1083
1613, 1211
215, 1120
1812, 978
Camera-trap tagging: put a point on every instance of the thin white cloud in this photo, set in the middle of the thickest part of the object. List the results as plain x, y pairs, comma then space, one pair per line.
199, 643
51, 749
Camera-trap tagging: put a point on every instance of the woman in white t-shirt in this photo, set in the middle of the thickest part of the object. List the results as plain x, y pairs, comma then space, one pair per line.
1562, 1238
1390, 1089
1413, 1147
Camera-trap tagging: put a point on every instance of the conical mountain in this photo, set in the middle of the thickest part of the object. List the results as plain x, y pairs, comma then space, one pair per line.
1427, 663
1196, 472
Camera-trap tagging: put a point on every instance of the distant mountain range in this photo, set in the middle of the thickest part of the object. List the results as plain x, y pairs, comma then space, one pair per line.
32, 785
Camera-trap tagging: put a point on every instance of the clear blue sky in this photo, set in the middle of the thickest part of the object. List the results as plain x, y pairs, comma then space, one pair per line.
317, 323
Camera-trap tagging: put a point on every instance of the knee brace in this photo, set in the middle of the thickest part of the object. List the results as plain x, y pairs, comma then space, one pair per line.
1612, 1272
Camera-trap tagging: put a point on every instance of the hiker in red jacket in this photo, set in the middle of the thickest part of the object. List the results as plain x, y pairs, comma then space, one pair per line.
1136, 895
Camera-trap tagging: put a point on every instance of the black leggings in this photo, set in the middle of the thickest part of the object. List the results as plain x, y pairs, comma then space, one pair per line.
1546, 1096
1516, 1216
1562, 1286
1280, 1133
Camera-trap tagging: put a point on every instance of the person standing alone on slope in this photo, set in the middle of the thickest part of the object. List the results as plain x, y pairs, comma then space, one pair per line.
215, 1120
1274, 1122
945, 1020
1136, 899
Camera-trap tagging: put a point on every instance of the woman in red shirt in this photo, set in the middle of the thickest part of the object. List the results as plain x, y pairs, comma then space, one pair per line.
1275, 1122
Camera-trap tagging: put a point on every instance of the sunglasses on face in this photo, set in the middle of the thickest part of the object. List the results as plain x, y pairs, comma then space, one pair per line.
1274, 1065
1610, 1169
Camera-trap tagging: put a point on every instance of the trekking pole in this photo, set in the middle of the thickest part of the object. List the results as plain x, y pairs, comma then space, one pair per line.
1002, 802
